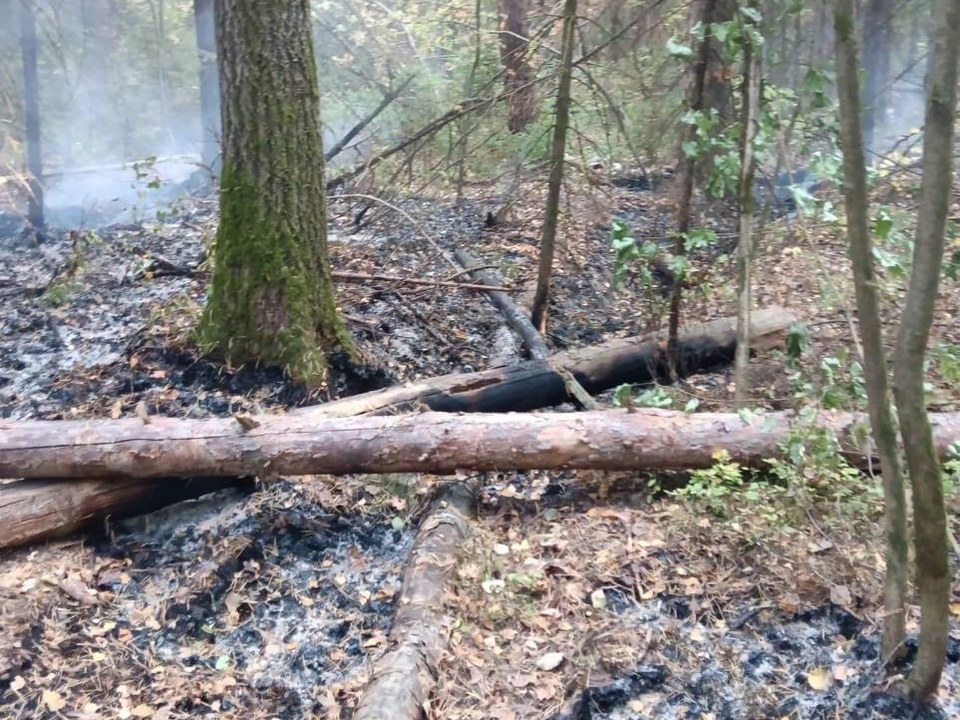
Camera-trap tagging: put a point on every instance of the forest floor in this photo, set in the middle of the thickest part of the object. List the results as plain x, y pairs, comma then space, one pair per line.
273, 603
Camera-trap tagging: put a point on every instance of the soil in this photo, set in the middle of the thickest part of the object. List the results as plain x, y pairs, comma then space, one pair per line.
273, 601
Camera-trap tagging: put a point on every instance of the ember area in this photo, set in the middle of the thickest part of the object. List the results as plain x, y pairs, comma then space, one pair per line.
479, 360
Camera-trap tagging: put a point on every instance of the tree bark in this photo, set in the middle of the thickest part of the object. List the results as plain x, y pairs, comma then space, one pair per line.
210, 128
526, 386
271, 296
514, 54
429, 442
871, 334
684, 207
31, 104
718, 85
930, 520
750, 112
36, 510
548, 239
403, 677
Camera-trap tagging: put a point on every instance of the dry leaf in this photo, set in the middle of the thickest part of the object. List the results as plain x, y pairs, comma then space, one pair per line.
18, 683
819, 679
549, 661
840, 595
142, 711
53, 701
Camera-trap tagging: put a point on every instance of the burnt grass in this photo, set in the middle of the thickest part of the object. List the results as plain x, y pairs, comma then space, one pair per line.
272, 601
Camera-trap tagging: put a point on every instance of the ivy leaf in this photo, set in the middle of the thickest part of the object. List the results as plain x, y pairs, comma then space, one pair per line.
678, 50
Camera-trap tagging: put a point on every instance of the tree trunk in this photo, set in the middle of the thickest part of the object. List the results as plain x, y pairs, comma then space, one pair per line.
514, 54
750, 113
930, 520
271, 297
718, 86
688, 175
31, 104
526, 386
205, 27
35, 510
877, 48
871, 334
541, 298
440, 443
403, 677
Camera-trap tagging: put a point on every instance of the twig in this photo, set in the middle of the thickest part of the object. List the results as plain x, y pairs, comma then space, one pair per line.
363, 277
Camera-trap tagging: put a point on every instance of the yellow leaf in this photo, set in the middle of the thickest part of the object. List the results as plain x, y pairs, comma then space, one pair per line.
819, 679
955, 608
142, 711
53, 701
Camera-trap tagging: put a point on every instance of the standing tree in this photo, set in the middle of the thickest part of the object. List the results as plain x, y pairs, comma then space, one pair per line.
929, 514
868, 311
688, 176
750, 113
271, 297
204, 24
557, 161
514, 49
31, 115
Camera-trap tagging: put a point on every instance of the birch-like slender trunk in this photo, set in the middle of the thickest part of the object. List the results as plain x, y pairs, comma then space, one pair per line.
750, 114
929, 515
689, 168
548, 239
882, 422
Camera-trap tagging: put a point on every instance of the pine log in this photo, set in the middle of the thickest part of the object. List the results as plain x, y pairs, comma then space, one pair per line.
527, 386
33, 510
429, 442
404, 676
537, 384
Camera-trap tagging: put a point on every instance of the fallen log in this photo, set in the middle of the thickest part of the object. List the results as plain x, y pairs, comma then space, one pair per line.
515, 318
519, 321
537, 384
439, 443
403, 677
527, 386
46, 509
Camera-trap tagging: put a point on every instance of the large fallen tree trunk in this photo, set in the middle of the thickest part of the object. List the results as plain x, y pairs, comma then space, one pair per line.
537, 383
403, 678
440, 443
529, 385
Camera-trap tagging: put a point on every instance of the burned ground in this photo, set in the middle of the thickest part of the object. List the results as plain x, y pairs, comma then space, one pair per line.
273, 602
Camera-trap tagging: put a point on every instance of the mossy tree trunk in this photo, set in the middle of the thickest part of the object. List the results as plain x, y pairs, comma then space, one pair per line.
271, 297
882, 423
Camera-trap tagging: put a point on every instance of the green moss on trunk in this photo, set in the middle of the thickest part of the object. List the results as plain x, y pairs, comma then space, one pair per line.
271, 298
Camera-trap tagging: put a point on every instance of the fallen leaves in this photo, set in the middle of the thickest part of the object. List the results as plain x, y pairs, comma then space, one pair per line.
550, 661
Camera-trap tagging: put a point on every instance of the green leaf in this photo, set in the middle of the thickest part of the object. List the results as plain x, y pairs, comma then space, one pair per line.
678, 50
691, 405
752, 13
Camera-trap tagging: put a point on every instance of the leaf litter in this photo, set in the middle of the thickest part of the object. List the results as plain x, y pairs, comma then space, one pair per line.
577, 597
